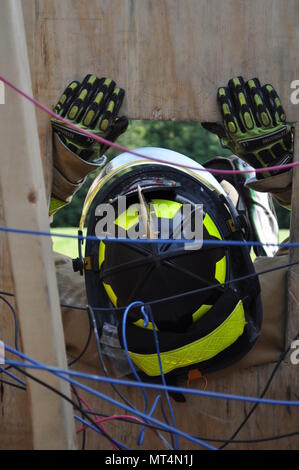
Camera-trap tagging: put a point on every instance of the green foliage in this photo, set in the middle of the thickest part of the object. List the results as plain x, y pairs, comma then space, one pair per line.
188, 138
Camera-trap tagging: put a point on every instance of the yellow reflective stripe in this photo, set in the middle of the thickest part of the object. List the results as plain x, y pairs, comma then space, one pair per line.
165, 208
201, 312
128, 218
211, 227
198, 351
140, 323
220, 270
110, 293
102, 251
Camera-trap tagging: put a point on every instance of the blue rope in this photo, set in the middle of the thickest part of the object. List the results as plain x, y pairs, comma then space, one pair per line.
129, 383
60, 373
160, 366
12, 376
248, 243
86, 423
124, 336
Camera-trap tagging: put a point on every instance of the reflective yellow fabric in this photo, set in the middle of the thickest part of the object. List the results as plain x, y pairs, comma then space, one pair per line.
165, 208
102, 251
198, 351
211, 227
201, 312
128, 218
140, 323
110, 293
220, 270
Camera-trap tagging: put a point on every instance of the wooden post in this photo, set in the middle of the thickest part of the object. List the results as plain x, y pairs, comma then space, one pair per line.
24, 205
293, 291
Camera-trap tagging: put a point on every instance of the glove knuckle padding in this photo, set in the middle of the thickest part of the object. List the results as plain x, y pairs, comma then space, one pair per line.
92, 105
255, 123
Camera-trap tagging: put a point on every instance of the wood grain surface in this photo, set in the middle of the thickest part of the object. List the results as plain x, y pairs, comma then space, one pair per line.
170, 56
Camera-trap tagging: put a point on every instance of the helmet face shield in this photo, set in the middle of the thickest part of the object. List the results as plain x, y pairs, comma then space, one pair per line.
191, 291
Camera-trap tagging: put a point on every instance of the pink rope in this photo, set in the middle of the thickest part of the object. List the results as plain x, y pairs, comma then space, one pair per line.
108, 418
101, 140
99, 421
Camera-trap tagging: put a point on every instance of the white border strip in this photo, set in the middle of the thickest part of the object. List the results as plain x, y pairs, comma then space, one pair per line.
2, 93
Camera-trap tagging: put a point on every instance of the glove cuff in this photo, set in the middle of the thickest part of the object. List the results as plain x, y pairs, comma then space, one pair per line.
70, 164
69, 170
62, 188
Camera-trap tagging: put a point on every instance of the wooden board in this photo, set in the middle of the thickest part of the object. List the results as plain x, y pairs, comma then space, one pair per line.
170, 55
34, 283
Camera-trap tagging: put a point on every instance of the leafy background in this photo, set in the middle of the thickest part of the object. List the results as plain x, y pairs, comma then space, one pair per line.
188, 138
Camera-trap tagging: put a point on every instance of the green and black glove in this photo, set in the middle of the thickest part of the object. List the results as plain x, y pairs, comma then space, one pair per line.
92, 105
254, 124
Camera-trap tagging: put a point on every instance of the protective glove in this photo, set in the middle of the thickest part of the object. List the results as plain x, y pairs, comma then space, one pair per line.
254, 124
92, 105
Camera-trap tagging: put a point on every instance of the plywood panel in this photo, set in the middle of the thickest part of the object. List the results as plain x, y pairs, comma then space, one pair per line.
170, 55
